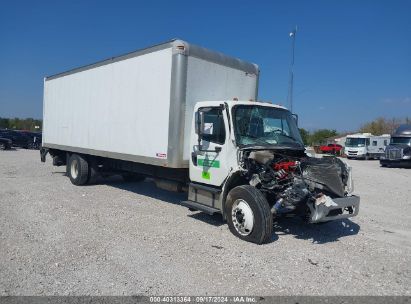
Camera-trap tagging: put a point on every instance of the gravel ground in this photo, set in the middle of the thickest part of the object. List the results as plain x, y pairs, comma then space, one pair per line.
119, 238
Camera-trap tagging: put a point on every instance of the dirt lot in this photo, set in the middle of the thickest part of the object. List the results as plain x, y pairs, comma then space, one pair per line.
119, 238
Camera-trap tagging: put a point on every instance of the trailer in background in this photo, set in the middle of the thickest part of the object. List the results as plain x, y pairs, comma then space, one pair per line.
398, 152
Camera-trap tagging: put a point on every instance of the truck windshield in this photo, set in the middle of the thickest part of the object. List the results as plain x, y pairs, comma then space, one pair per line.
265, 126
400, 141
355, 142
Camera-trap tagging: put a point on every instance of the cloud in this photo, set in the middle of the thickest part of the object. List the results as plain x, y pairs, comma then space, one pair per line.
397, 101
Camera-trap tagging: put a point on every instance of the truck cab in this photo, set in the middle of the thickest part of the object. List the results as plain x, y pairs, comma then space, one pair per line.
398, 153
221, 129
248, 163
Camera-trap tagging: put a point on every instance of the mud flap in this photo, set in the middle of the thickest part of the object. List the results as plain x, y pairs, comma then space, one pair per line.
43, 153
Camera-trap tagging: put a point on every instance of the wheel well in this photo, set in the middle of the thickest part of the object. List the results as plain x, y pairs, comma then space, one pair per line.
234, 180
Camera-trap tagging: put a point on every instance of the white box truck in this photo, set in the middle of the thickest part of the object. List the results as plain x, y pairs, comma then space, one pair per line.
188, 118
366, 145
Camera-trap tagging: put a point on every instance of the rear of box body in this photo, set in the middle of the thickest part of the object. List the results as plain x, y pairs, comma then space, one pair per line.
138, 107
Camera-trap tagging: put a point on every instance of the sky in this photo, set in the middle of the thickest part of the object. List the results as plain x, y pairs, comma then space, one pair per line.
352, 58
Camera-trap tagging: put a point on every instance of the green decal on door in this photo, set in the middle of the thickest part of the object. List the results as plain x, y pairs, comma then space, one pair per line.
208, 163
205, 175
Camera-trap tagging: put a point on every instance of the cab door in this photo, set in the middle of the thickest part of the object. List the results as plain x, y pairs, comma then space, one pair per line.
208, 161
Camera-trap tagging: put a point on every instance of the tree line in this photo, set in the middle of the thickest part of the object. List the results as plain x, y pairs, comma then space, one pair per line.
21, 124
378, 126
316, 137
382, 125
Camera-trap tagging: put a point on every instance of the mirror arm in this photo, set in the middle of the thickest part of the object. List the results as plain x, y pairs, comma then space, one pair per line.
296, 117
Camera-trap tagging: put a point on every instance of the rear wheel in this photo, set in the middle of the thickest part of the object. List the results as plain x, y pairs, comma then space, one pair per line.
2, 146
78, 170
248, 214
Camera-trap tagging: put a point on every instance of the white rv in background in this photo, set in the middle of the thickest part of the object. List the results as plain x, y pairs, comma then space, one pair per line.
366, 145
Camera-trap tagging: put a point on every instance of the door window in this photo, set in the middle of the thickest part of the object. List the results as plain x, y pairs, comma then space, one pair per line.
214, 130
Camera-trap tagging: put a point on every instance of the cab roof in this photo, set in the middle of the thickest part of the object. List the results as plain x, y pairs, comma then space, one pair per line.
403, 131
232, 103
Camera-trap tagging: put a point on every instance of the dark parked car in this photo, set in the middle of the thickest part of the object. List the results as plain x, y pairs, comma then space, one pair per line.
398, 152
5, 143
18, 139
35, 139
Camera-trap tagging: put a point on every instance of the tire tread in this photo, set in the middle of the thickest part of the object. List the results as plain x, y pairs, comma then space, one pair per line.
263, 209
83, 174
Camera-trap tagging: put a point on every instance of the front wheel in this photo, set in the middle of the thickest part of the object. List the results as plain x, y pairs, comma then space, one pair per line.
248, 214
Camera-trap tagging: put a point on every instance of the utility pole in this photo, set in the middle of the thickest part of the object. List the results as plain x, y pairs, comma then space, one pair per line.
291, 73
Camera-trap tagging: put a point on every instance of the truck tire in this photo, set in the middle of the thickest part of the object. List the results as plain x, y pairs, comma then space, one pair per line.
132, 177
78, 170
248, 214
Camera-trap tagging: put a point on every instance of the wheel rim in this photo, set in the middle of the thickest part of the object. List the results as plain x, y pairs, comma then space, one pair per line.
74, 168
243, 217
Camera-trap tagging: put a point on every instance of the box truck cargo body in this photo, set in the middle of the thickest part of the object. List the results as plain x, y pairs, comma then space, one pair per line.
139, 106
188, 118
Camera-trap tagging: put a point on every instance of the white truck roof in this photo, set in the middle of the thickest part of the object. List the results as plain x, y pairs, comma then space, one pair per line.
366, 135
232, 103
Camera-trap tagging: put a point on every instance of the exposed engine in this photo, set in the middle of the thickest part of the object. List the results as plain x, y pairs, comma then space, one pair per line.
291, 183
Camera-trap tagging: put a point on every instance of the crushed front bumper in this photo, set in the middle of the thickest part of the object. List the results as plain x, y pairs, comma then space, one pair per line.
326, 209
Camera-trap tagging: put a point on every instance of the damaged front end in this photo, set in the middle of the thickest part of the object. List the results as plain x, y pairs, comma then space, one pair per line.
318, 189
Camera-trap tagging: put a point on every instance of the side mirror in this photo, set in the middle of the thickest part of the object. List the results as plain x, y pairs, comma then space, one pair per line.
199, 126
199, 123
295, 116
